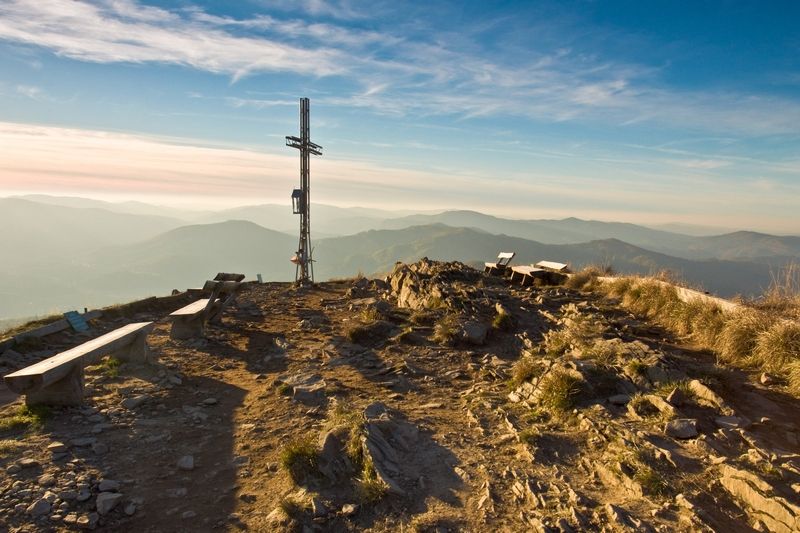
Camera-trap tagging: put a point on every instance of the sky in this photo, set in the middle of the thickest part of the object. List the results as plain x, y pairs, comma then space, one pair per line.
645, 112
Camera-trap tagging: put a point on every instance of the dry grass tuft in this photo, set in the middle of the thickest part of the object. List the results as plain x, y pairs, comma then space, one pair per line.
299, 457
559, 390
763, 335
524, 369
777, 346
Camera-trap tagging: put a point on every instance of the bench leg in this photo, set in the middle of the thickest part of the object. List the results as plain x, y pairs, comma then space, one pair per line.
66, 391
187, 329
137, 351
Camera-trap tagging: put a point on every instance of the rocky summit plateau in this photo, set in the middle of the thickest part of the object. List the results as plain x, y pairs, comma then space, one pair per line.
437, 399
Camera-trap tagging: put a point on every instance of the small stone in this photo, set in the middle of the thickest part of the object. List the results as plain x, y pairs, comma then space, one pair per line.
186, 463
677, 397
109, 485
28, 463
730, 422
68, 495
95, 419
135, 401
100, 448
767, 379
71, 519
681, 428
57, 447
188, 514
318, 507
83, 441
349, 509
83, 495
106, 501
619, 399
130, 509
13, 469
39, 508
210, 401
47, 480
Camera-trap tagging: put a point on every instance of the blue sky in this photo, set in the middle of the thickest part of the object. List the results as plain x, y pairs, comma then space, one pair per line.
637, 111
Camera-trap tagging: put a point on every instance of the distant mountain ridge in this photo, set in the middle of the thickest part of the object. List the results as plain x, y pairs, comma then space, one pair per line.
60, 257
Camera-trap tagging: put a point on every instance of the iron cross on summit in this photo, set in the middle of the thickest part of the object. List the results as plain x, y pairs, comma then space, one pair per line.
301, 203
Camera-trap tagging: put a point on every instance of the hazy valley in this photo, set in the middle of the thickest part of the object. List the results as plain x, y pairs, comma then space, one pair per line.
70, 253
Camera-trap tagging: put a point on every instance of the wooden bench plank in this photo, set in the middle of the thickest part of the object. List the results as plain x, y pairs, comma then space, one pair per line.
59, 366
552, 265
192, 309
526, 270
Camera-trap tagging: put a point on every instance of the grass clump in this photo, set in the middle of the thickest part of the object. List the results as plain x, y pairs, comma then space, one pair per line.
503, 322
524, 370
777, 346
299, 457
446, 329
369, 487
30, 417
370, 314
652, 483
603, 352
586, 279
577, 331
8, 446
635, 367
643, 407
559, 390
529, 436
110, 367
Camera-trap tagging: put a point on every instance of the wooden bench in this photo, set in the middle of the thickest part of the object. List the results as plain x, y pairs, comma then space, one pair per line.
500, 266
59, 379
526, 274
552, 265
190, 321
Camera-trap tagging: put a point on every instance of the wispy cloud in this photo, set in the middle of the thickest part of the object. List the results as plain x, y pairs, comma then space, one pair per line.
125, 31
47, 159
31, 91
433, 72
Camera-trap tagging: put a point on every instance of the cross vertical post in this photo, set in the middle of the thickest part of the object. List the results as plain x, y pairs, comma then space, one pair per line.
301, 198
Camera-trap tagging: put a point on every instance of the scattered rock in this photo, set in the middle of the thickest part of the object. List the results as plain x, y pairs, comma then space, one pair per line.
619, 399
39, 508
135, 401
109, 485
731, 422
47, 480
186, 463
100, 448
681, 428
83, 442
106, 501
210, 401
474, 332
677, 397
57, 447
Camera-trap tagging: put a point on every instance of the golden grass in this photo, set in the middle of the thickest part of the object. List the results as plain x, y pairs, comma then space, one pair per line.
762, 335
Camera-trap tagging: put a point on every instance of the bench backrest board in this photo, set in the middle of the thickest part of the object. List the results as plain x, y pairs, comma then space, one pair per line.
504, 258
225, 276
551, 265
53, 369
77, 322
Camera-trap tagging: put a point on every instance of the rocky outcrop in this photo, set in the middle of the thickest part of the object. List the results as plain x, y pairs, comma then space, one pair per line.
760, 499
